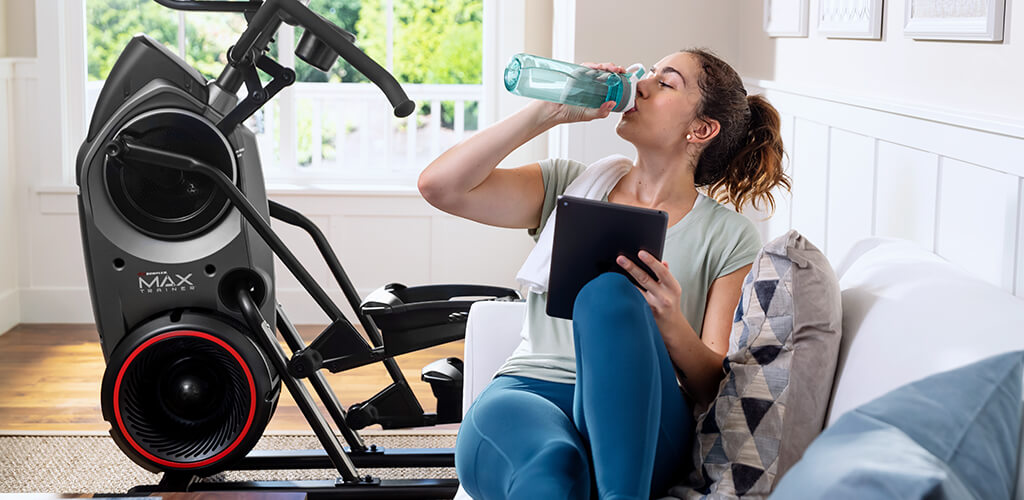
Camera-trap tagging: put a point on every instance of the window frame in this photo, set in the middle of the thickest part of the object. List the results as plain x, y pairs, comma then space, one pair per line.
288, 173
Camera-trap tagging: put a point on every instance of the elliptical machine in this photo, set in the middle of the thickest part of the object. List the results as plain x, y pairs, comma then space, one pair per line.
179, 257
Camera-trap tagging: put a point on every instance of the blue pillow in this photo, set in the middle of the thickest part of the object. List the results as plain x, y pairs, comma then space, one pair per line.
951, 435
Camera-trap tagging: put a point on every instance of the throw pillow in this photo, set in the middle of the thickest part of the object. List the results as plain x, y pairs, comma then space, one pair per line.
951, 435
778, 374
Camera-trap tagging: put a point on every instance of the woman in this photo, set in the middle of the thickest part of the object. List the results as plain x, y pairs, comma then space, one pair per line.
605, 401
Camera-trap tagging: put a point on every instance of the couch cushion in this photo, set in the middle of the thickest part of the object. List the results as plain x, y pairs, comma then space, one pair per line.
492, 332
950, 435
907, 314
782, 352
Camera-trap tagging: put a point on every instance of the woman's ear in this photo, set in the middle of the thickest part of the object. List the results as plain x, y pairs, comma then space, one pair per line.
704, 130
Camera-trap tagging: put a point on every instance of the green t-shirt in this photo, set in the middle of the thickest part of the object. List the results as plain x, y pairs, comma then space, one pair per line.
709, 242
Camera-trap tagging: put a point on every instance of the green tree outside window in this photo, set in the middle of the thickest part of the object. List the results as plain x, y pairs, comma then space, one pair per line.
435, 42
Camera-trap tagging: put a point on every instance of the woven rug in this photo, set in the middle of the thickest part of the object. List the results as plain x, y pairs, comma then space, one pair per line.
92, 463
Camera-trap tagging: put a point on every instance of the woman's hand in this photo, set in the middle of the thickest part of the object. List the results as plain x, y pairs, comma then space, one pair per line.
663, 292
564, 113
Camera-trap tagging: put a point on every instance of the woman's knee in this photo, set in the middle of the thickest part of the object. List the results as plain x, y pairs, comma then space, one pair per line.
606, 293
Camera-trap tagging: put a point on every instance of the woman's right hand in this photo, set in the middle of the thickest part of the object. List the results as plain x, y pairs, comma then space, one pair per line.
565, 113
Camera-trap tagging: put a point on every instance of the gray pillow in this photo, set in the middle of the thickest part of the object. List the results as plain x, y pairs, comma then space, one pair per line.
778, 374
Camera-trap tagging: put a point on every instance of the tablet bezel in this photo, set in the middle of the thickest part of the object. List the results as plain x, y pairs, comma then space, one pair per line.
589, 235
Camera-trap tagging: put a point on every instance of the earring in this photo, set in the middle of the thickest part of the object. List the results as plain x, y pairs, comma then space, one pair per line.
687, 136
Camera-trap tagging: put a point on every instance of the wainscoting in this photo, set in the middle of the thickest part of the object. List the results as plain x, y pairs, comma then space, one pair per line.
862, 167
380, 237
9, 297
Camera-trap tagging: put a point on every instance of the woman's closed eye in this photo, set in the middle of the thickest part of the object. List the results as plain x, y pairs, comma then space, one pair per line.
652, 72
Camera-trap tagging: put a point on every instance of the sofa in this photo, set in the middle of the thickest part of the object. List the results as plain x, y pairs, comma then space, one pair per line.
907, 314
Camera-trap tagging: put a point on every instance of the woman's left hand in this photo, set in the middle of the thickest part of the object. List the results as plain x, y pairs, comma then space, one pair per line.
662, 292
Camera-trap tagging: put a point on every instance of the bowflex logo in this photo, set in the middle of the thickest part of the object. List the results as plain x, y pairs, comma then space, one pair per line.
162, 282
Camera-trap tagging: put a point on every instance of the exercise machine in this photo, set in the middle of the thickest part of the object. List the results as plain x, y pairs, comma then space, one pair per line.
179, 256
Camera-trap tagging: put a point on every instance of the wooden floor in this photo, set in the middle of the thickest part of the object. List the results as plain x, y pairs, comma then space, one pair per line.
50, 379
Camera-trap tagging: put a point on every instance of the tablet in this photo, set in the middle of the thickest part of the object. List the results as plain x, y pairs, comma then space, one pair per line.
589, 235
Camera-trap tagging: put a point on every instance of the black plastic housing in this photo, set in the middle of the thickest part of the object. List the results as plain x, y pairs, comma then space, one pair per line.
142, 61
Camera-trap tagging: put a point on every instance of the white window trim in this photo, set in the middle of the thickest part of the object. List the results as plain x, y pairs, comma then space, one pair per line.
63, 34
563, 47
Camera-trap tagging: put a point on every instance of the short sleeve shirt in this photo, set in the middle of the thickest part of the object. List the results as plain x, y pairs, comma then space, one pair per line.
711, 241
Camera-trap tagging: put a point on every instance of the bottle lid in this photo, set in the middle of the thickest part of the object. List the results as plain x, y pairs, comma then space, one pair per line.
633, 74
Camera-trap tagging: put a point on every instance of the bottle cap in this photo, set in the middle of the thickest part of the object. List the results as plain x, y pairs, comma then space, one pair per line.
633, 74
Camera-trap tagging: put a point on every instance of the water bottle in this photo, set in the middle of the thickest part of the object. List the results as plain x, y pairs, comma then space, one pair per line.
556, 81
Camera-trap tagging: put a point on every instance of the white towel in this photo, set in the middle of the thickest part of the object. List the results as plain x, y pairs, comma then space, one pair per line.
596, 181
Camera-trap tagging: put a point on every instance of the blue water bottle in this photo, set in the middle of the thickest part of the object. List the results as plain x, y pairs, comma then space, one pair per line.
557, 81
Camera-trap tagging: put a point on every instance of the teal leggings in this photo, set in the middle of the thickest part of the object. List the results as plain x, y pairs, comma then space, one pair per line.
623, 430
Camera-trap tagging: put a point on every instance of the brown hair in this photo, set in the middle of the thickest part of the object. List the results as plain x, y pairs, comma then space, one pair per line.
743, 163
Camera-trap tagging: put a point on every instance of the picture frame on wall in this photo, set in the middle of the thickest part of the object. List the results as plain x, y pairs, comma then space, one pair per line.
850, 19
971, 20
784, 18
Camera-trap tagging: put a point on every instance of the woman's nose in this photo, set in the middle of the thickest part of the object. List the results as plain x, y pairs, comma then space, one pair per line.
641, 87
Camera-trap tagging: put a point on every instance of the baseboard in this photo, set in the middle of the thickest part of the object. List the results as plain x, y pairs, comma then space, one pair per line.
10, 310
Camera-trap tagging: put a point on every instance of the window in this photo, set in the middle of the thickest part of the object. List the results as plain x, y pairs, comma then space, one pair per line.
330, 127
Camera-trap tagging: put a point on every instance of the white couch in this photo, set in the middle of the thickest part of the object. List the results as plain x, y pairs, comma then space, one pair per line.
907, 314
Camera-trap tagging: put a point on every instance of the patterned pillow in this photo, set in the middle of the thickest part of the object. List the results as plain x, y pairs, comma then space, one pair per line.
778, 374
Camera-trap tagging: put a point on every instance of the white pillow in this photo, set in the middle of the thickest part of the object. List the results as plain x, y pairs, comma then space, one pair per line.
907, 314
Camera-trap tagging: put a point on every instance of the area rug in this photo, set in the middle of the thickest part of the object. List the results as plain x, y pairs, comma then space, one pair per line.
91, 463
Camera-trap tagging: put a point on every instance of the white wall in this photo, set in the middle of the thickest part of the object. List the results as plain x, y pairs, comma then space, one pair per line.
641, 31
3, 28
978, 78
19, 33
920, 140
951, 183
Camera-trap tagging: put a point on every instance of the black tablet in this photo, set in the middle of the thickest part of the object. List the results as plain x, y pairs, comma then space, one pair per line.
589, 235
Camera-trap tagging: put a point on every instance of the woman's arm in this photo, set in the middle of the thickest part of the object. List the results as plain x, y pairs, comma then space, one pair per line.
464, 181
701, 360
451, 178
697, 358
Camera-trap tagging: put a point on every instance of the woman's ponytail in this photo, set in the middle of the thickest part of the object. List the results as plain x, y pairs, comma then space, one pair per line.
743, 164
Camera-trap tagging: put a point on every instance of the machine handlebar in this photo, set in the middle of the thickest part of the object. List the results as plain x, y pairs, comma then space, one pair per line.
266, 17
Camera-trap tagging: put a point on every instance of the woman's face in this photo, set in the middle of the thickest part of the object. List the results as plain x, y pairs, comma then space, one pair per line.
666, 103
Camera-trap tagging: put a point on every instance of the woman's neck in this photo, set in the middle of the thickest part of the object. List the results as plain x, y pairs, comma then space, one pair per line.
662, 181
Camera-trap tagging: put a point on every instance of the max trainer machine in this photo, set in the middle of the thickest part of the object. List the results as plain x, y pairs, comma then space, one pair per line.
179, 256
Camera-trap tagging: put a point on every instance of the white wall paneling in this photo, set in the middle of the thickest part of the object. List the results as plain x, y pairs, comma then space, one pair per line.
19, 80
379, 239
906, 193
9, 307
305, 250
950, 182
1019, 267
977, 220
850, 191
810, 182
775, 225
